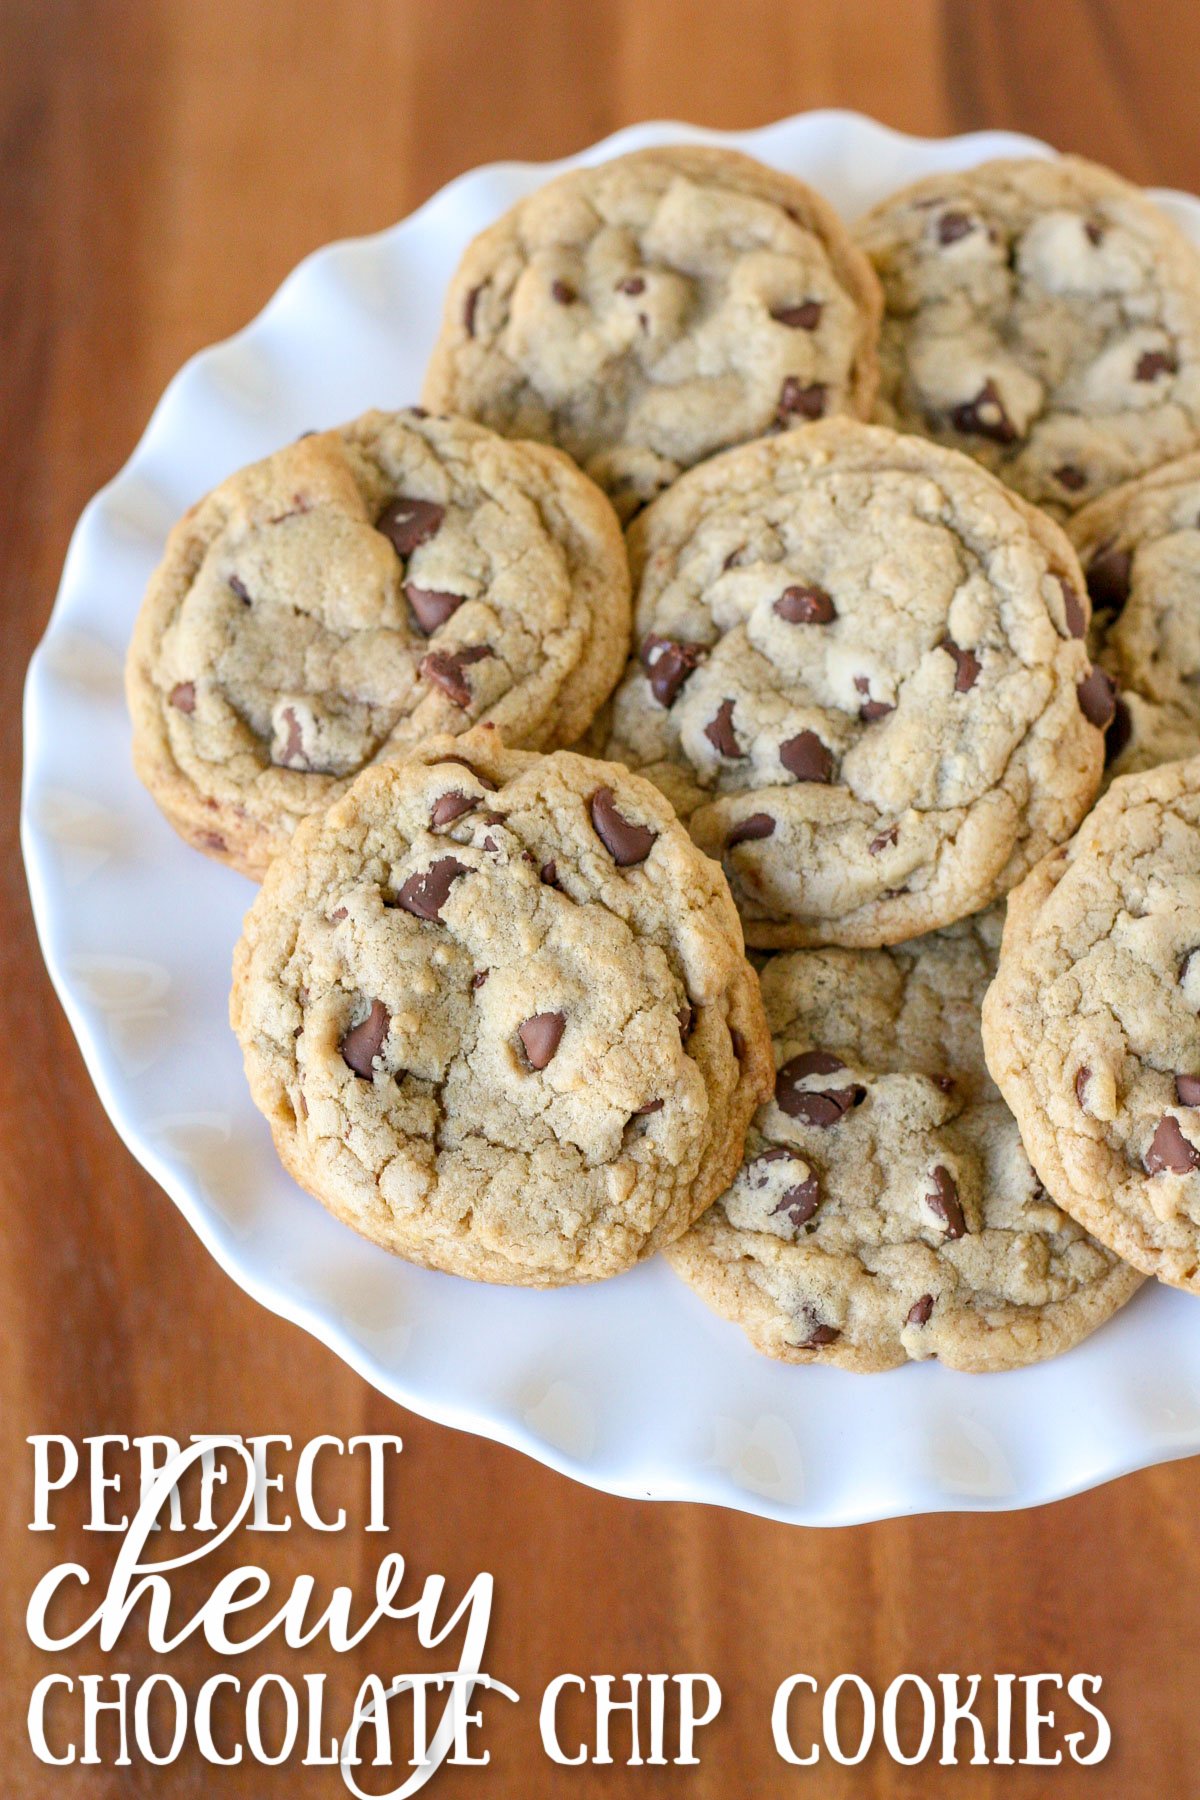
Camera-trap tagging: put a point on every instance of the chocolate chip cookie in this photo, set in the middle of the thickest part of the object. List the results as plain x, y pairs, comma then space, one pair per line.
1043, 316
355, 594
653, 309
860, 673
495, 1009
885, 1209
1140, 550
1092, 1025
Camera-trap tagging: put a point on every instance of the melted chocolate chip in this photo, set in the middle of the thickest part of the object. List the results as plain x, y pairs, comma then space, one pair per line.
954, 225
1097, 699
478, 979
798, 400
564, 293
966, 665
920, 1311
805, 606
407, 523
1094, 231
1074, 610
450, 806
870, 710
1170, 1153
431, 607
686, 1018
363, 1042
626, 842
944, 1202
799, 1202
424, 895
484, 781
822, 1107
804, 317
668, 663
444, 668
884, 841
819, 1336
985, 417
239, 588
1119, 731
293, 746
1108, 578
337, 915
1187, 1090
548, 873
1082, 1077
755, 825
1153, 363
720, 733
183, 696
651, 1106
540, 1037
806, 757
631, 284
1071, 477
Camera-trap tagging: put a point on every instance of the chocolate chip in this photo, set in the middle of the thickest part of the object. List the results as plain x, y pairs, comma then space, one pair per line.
720, 734
797, 400
966, 665
884, 841
805, 606
478, 979
755, 825
804, 317
870, 710
407, 523
1074, 610
625, 842
337, 915
822, 1107
469, 305
1108, 577
1082, 1077
1097, 699
806, 757
985, 417
1119, 731
954, 225
1071, 477
183, 696
944, 1202
431, 608
1153, 363
449, 806
484, 781
293, 747
738, 1043
1093, 231
1187, 1090
549, 873
425, 894
445, 669
631, 284
651, 1106
1170, 1152
212, 840
799, 1202
686, 1018
668, 663
819, 1336
564, 293
1185, 965
540, 1037
363, 1042
239, 588
920, 1310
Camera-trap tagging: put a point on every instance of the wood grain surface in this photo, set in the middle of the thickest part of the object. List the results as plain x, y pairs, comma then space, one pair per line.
162, 166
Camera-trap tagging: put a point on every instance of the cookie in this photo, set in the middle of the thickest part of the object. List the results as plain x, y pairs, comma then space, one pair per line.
1140, 550
860, 674
1043, 316
1092, 1025
885, 1210
495, 1009
651, 310
355, 594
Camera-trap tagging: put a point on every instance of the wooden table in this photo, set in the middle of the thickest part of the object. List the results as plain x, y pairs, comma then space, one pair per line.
162, 166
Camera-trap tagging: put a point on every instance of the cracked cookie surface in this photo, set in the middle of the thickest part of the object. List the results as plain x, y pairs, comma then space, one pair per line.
495, 1009
1092, 1025
651, 310
885, 1210
1140, 551
354, 594
1043, 316
860, 674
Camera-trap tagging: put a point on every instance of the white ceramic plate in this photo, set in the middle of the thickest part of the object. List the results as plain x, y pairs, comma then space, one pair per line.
632, 1386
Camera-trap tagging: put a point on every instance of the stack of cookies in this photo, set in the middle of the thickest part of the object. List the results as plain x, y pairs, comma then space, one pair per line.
741, 581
